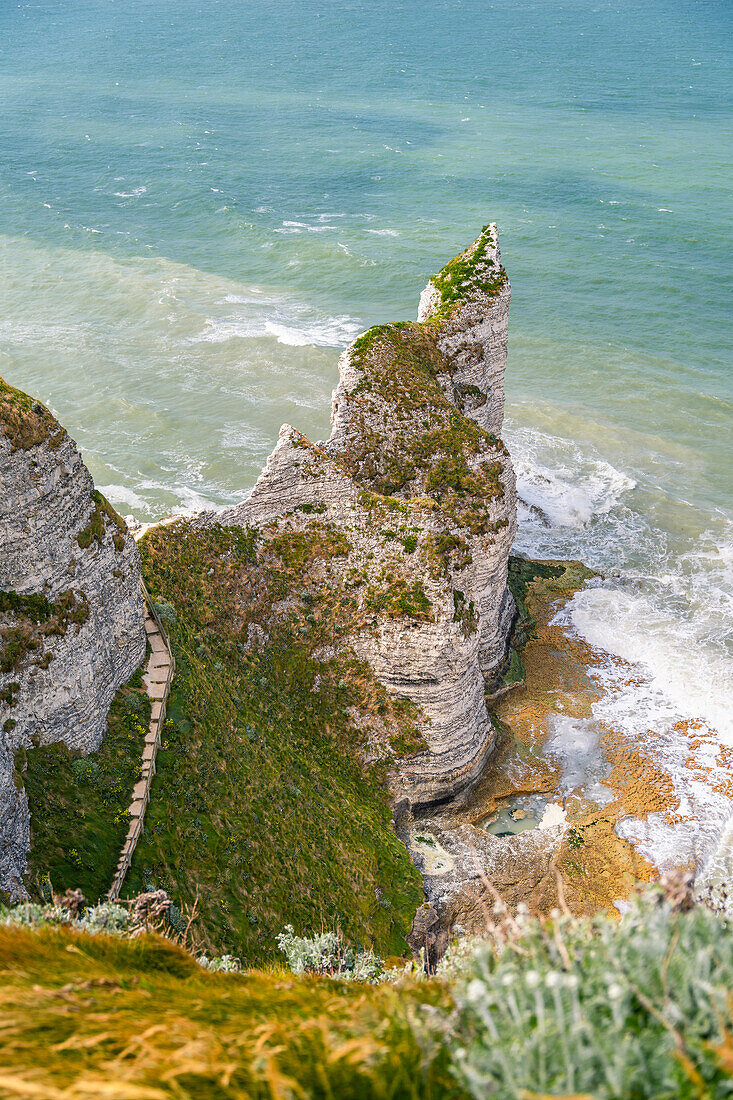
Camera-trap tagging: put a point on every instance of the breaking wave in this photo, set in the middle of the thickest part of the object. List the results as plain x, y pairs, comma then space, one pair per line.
664, 606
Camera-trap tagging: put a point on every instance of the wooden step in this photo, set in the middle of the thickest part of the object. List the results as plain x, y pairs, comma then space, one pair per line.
156, 679
157, 675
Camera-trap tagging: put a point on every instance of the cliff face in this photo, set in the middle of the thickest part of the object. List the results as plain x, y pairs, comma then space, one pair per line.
421, 489
71, 609
470, 300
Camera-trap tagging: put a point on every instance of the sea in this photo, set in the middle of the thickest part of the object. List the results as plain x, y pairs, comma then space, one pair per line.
203, 201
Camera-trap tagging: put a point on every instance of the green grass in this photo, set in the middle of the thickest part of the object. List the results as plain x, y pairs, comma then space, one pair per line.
262, 806
31, 620
97, 526
467, 276
401, 599
431, 450
79, 804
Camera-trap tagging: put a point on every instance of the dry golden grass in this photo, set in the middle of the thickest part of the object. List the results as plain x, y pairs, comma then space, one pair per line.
84, 1016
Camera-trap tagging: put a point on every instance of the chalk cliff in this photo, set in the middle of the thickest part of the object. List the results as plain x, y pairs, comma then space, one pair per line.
71, 609
422, 489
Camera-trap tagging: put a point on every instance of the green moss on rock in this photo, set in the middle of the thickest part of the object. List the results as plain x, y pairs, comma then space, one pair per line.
95, 529
407, 439
523, 574
401, 599
27, 621
469, 275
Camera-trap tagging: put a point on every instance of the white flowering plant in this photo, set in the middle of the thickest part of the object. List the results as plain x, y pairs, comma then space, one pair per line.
633, 1009
330, 955
227, 964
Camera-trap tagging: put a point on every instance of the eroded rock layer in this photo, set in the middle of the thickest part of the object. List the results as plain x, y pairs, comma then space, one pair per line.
71, 609
421, 488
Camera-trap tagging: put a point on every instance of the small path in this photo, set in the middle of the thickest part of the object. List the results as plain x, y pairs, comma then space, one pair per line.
156, 681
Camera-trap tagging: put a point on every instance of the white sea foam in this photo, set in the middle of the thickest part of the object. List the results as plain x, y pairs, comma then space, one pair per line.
670, 695
685, 677
575, 744
561, 483
300, 227
287, 328
122, 494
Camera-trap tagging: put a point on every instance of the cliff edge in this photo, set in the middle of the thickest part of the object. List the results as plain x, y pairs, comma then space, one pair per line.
71, 608
419, 487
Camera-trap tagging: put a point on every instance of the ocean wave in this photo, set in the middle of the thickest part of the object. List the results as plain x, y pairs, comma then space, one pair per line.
662, 699
661, 622
300, 227
327, 332
559, 482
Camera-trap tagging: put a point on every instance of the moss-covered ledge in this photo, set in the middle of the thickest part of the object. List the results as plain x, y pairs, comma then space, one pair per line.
27, 621
471, 274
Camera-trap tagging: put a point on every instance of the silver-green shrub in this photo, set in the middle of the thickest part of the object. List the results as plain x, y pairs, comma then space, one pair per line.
228, 964
32, 915
105, 917
328, 954
597, 1007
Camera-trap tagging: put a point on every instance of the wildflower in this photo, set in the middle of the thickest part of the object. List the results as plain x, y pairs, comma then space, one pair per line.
532, 979
615, 991
553, 978
475, 991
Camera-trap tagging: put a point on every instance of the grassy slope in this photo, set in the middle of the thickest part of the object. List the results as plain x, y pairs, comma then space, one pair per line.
79, 804
260, 803
139, 1020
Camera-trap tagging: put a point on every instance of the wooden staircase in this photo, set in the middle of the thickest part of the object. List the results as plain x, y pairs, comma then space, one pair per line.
157, 681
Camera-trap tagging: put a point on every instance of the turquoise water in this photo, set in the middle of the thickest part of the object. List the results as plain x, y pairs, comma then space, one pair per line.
202, 202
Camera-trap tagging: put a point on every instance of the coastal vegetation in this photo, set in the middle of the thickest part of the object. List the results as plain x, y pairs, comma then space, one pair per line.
431, 453
26, 621
564, 1007
95, 529
79, 803
471, 274
25, 422
269, 803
